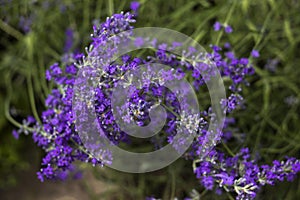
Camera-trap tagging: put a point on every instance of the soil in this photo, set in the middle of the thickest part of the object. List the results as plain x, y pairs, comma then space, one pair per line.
30, 188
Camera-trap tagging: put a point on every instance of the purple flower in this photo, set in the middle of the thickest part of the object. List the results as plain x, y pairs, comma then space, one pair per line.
208, 182
232, 102
243, 176
30, 120
25, 23
217, 26
139, 41
16, 134
230, 55
244, 61
228, 29
78, 175
255, 53
134, 5
227, 45
58, 136
225, 178
69, 40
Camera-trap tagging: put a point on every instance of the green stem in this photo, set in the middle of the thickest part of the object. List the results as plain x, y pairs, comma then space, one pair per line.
10, 30
30, 40
173, 183
86, 13
111, 7
6, 106
266, 22
227, 149
169, 109
12, 120
31, 99
226, 21
203, 193
229, 196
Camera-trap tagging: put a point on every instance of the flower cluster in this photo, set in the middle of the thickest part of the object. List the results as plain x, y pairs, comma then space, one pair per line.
241, 175
57, 134
218, 26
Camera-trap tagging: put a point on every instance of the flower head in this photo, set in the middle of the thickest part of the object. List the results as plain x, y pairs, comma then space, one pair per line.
134, 5
255, 53
217, 26
228, 29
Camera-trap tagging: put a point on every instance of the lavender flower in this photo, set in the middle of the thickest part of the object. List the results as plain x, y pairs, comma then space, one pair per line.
56, 133
69, 40
25, 23
228, 29
272, 64
134, 6
240, 175
255, 53
217, 26
233, 101
59, 138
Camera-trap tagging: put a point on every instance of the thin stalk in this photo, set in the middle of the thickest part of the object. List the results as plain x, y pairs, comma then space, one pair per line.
10, 30
226, 21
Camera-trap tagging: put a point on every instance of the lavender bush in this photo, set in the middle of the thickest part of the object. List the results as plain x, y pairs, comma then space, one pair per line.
235, 174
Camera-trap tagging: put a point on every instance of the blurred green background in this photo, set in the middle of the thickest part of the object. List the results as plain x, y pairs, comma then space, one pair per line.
32, 37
